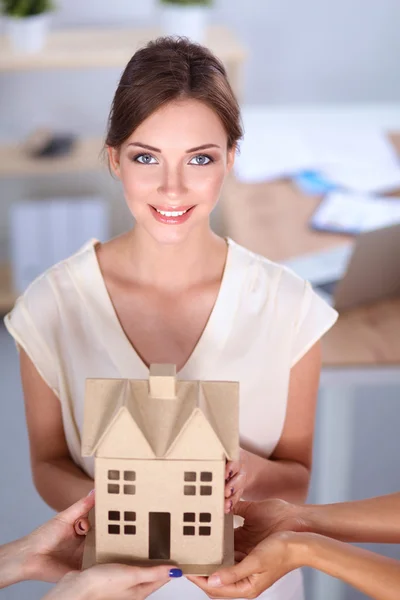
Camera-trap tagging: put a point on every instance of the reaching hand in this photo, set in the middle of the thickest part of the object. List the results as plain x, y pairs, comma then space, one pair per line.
262, 519
112, 582
269, 561
56, 547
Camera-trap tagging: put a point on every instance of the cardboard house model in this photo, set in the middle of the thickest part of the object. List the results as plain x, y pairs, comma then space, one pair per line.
160, 448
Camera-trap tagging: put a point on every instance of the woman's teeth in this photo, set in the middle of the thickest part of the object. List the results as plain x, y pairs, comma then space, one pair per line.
171, 213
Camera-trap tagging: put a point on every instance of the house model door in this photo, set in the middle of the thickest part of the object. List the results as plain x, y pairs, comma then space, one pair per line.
159, 535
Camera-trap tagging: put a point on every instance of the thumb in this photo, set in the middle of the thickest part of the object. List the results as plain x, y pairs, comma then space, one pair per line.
248, 567
242, 508
77, 510
141, 575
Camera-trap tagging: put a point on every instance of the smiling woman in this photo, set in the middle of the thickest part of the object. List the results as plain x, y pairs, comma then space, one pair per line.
171, 291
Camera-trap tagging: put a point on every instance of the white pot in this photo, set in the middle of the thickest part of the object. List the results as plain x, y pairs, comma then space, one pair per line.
28, 34
188, 21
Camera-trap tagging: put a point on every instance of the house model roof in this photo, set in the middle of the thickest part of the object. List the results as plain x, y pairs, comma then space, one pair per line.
161, 417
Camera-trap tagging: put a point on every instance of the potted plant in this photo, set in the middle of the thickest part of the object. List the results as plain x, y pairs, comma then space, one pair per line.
186, 17
27, 23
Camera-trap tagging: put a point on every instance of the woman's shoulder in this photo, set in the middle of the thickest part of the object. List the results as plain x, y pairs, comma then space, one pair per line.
52, 286
266, 272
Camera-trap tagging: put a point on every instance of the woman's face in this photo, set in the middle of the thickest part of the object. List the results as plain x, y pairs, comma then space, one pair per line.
172, 169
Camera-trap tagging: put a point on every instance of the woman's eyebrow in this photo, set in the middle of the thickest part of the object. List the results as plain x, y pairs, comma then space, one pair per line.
153, 149
145, 146
203, 147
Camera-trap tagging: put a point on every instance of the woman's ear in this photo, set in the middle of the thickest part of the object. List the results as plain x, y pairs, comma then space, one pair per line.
231, 157
113, 159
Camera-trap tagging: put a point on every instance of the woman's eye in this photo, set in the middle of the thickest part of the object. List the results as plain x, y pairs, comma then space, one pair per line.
145, 159
201, 159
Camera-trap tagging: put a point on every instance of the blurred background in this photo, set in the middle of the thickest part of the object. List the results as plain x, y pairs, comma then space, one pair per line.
317, 178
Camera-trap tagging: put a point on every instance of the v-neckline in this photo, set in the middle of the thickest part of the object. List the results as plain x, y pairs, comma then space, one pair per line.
126, 357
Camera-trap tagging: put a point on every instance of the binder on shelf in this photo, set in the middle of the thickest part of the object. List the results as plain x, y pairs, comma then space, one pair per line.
45, 232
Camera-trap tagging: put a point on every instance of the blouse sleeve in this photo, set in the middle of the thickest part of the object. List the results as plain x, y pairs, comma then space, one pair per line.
32, 324
316, 317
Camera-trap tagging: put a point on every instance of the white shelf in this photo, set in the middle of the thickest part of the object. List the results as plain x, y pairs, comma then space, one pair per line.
14, 162
108, 47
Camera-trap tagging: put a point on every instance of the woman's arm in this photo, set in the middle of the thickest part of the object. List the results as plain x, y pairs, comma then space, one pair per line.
287, 473
11, 564
374, 575
376, 520
59, 481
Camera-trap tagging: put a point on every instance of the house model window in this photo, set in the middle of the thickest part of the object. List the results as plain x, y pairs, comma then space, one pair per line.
160, 448
121, 522
114, 488
192, 490
191, 521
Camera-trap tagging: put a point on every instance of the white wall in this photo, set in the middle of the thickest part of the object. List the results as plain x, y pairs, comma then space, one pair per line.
306, 51
299, 51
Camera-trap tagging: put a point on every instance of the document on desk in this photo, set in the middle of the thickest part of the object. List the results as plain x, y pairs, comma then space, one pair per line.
323, 266
355, 213
272, 153
357, 158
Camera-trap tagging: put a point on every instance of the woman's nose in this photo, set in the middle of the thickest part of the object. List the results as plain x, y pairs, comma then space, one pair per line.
172, 184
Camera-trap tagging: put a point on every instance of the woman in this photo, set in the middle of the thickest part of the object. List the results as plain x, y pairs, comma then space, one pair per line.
54, 551
277, 537
170, 290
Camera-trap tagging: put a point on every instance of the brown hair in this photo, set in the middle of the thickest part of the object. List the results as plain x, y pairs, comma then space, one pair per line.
168, 69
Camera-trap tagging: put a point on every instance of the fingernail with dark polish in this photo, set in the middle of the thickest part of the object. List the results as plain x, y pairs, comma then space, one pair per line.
230, 474
175, 573
232, 491
80, 526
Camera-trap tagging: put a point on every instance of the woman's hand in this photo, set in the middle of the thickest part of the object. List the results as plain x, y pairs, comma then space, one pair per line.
262, 519
56, 547
235, 481
267, 562
109, 582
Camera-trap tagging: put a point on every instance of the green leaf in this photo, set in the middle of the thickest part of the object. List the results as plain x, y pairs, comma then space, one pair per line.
26, 8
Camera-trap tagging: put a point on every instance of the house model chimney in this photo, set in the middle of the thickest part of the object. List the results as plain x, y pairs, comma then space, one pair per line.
162, 381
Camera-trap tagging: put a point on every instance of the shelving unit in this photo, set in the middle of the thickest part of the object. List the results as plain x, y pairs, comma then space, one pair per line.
86, 48
86, 156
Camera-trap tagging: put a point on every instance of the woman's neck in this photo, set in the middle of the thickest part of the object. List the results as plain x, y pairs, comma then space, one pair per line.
199, 258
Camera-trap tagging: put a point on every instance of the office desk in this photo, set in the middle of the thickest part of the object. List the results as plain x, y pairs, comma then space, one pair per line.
271, 219
362, 349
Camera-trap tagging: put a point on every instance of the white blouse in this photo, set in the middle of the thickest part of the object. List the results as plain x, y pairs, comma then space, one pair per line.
264, 320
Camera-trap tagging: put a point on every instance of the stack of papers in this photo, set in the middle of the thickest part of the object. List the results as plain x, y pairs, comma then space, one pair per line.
356, 158
355, 213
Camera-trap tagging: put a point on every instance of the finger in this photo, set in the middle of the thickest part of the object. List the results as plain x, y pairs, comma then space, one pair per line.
246, 568
232, 467
228, 506
235, 590
239, 555
235, 483
76, 511
229, 489
231, 502
82, 526
150, 574
236, 497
